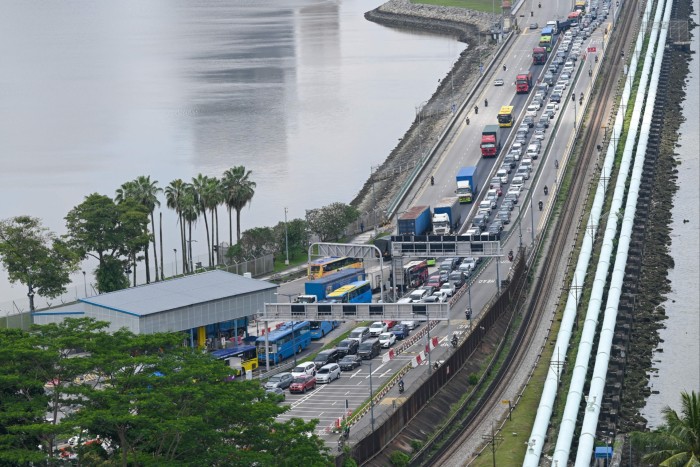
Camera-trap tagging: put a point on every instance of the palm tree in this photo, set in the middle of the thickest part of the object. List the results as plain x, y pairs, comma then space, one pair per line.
190, 214
145, 192
203, 198
175, 194
677, 441
238, 191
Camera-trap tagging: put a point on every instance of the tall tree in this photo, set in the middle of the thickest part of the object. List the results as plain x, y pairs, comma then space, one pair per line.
175, 193
329, 222
200, 185
111, 233
145, 192
35, 257
238, 191
190, 214
677, 441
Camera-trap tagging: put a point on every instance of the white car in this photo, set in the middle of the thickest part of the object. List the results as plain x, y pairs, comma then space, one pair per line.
307, 368
503, 175
448, 288
523, 172
328, 373
410, 324
387, 339
498, 82
552, 107
377, 328
438, 297
517, 181
532, 110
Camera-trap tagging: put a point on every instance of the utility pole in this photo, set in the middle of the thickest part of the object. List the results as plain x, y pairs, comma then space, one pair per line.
492, 439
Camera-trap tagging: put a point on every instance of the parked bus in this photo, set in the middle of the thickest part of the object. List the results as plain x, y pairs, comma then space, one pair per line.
283, 343
415, 273
241, 358
319, 329
505, 116
355, 292
328, 283
320, 267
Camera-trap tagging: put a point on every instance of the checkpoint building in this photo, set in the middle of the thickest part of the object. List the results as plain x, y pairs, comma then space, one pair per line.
206, 307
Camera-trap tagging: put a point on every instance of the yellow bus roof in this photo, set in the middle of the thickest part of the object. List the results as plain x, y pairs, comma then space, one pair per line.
506, 109
346, 288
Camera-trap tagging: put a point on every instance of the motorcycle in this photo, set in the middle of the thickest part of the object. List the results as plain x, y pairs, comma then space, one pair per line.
546, 190
467, 120
504, 68
455, 341
486, 102
510, 256
401, 387
476, 109
432, 180
556, 164
541, 205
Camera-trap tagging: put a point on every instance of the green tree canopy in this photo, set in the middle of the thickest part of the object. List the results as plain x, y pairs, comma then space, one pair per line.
156, 402
33, 256
677, 442
100, 228
329, 222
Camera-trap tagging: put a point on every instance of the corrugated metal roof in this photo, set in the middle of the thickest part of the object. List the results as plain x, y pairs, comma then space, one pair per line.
178, 293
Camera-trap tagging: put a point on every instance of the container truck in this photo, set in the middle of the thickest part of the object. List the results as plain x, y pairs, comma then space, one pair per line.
490, 141
467, 187
415, 221
523, 83
445, 215
539, 56
554, 25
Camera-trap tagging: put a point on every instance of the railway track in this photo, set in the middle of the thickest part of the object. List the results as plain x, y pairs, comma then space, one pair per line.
554, 254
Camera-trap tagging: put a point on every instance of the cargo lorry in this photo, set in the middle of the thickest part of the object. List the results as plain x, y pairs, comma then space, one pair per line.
445, 216
415, 221
523, 83
539, 56
490, 141
467, 188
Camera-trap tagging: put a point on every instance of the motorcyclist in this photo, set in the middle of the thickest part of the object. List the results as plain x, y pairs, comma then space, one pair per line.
486, 102
504, 67
510, 255
432, 180
401, 385
540, 204
476, 109
455, 341
546, 190
467, 120
556, 164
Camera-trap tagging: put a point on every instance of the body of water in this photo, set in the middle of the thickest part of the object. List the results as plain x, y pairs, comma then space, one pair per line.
306, 94
679, 363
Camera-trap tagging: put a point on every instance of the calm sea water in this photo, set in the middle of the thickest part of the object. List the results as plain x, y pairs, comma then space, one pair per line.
679, 363
306, 94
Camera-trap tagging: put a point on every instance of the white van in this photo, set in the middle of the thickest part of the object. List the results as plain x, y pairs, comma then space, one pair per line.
359, 334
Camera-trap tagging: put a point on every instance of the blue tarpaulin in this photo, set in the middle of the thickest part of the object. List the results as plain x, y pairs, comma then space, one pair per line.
603, 452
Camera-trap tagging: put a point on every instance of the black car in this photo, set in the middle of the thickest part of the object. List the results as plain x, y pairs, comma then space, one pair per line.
350, 362
507, 204
512, 197
530, 120
325, 357
347, 347
503, 216
510, 160
555, 97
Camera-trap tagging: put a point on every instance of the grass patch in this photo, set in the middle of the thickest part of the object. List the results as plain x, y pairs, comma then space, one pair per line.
485, 6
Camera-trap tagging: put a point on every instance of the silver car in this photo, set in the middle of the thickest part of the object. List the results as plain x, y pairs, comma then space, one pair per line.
328, 373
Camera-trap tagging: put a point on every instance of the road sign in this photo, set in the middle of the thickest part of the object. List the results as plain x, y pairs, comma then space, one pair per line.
591, 50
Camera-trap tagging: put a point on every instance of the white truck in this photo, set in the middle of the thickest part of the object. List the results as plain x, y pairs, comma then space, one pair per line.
445, 216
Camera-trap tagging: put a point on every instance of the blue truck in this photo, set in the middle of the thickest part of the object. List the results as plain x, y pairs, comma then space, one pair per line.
467, 188
415, 221
445, 215
324, 285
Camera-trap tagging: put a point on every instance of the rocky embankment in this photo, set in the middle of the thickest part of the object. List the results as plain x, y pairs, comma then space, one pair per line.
464, 25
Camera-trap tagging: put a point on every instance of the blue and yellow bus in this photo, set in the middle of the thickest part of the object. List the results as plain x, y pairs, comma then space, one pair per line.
283, 343
355, 292
320, 267
319, 329
328, 283
241, 358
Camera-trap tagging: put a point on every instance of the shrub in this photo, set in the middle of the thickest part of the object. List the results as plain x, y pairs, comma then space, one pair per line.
399, 459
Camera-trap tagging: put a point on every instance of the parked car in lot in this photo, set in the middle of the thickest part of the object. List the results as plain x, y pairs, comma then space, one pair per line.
303, 383
280, 380
306, 368
325, 357
350, 362
328, 373
387, 339
401, 331
377, 328
347, 347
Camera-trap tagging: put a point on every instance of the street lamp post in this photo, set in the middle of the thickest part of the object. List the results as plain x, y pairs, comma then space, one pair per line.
286, 237
430, 365
175, 255
371, 400
85, 284
520, 228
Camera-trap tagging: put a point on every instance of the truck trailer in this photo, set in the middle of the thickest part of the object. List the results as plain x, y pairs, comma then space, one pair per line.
539, 56
415, 221
490, 141
467, 184
445, 216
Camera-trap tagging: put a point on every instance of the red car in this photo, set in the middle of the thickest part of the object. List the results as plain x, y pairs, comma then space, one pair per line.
303, 383
390, 324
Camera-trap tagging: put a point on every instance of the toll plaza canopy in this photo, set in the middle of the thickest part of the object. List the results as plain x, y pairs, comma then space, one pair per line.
180, 304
